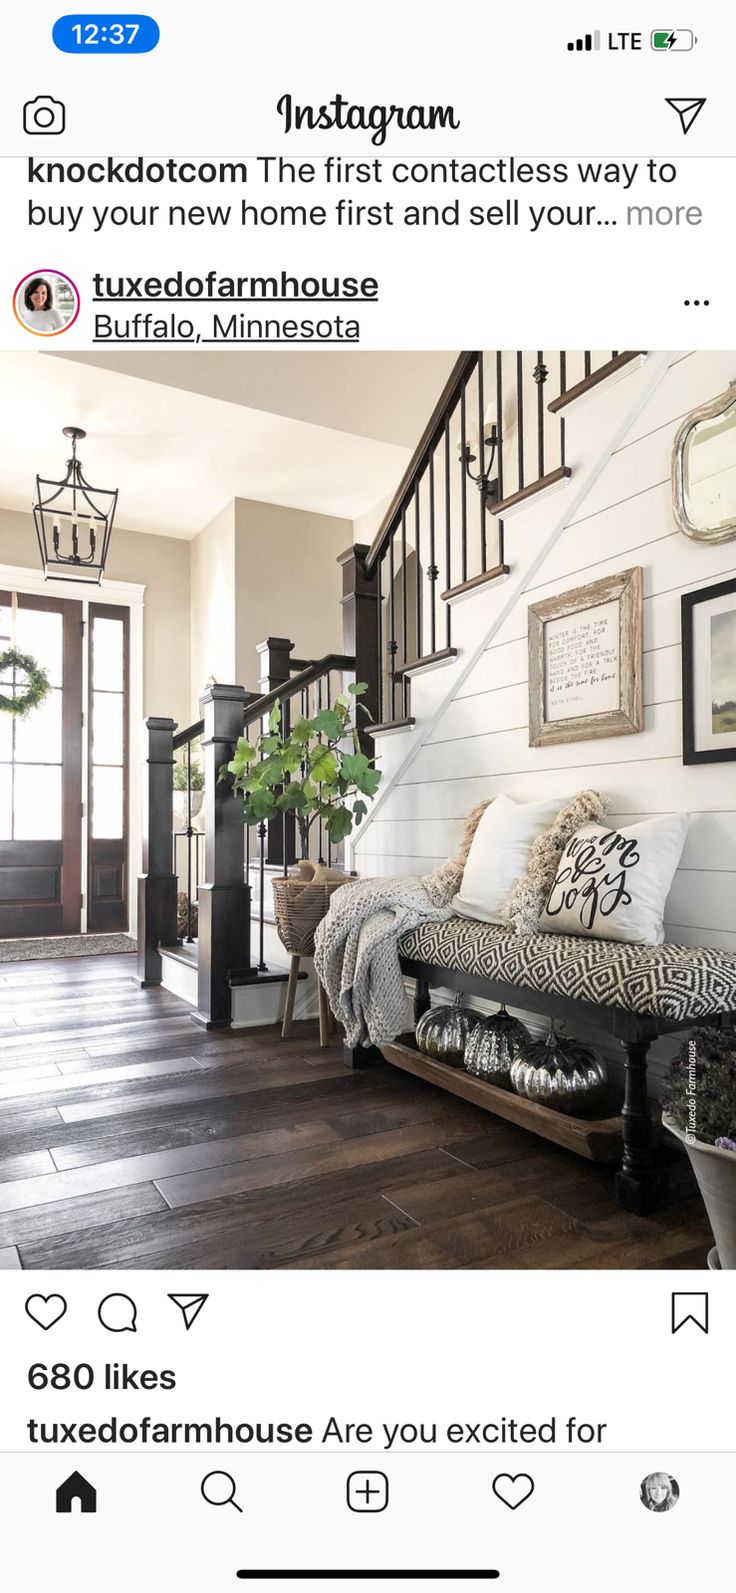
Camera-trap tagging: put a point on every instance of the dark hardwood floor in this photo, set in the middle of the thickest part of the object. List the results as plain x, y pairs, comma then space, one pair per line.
131, 1138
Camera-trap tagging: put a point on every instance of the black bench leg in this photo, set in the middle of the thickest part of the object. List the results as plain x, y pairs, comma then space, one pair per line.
360, 1056
638, 1183
421, 1000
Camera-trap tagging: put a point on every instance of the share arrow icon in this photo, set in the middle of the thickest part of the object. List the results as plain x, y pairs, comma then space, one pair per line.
190, 1306
687, 111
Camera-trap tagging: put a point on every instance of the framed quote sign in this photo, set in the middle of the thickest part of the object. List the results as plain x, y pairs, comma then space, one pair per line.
585, 662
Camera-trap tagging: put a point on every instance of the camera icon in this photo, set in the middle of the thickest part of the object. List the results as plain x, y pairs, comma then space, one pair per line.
44, 115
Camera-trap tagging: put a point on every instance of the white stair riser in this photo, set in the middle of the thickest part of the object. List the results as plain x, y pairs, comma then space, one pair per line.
252, 1005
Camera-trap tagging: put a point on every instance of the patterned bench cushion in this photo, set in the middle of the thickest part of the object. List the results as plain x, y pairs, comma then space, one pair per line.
669, 982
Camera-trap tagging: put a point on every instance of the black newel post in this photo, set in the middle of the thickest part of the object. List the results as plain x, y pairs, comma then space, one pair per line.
224, 898
360, 602
275, 670
157, 884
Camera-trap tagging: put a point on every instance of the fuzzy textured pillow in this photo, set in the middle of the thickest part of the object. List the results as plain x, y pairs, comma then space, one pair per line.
500, 854
528, 897
444, 881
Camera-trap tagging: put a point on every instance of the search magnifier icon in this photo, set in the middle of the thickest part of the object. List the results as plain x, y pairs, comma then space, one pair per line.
218, 1488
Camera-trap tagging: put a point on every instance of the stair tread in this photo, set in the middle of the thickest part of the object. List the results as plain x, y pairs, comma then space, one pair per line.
393, 724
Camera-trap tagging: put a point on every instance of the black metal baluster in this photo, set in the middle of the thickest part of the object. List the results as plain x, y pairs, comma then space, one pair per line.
433, 571
563, 389
304, 711
499, 454
263, 832
463, 490
419, 650
520, 416
499, 424
329, 705
393, 644
320, 829
404, 612
588, 362
540, 376
379, 626
432, 613
482, 464
262, 837
189, 842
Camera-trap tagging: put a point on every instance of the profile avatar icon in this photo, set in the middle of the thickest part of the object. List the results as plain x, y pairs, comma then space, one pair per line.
659, 1492
46, 303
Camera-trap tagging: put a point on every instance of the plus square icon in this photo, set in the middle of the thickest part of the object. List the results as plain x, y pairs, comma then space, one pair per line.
367, 1490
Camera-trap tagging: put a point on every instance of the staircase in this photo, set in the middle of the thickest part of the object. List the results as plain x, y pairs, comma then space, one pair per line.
494, 446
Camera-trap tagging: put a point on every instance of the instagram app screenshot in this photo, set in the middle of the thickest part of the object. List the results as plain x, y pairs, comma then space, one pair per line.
367, 797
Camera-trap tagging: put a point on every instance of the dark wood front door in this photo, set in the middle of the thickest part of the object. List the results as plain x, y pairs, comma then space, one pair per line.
107, 845
41, 772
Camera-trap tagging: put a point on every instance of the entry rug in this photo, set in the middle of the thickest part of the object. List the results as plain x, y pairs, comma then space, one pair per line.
65, 946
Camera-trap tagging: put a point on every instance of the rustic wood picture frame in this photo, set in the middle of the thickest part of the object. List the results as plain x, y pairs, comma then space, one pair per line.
625, 588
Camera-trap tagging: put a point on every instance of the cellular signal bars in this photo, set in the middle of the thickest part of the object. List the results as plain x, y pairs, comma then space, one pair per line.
591, 41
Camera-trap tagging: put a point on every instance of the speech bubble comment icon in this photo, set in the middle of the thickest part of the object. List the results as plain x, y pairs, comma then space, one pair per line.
117, 1313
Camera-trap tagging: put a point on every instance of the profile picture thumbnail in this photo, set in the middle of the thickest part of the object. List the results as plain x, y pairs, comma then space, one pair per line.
659, 1492
46, 303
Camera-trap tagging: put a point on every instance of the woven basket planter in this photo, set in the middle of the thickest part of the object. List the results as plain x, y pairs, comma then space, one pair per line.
299, 908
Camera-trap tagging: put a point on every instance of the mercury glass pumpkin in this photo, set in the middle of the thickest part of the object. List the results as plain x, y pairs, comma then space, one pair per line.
561, 1073
493, 1046
443, 1032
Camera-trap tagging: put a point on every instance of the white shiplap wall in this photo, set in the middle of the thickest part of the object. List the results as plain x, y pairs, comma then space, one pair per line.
480, 744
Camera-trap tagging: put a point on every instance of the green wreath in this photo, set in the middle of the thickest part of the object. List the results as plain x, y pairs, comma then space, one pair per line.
37, 688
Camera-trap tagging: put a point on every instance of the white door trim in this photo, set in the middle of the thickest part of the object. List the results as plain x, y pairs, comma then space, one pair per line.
130, 595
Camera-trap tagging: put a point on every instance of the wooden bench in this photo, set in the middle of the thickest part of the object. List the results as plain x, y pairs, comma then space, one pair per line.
634, 993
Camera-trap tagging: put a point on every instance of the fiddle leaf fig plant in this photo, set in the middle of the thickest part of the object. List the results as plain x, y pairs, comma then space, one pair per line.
307, 770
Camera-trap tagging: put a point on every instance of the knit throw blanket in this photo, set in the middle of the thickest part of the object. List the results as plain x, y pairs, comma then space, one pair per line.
356, 949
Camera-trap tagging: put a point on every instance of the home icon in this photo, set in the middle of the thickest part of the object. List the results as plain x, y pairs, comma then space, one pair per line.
76, 1487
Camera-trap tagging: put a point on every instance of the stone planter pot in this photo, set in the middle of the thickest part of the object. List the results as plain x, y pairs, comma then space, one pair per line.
715, 1171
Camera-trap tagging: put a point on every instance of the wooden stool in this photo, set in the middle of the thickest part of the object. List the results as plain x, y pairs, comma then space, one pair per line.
325, 1016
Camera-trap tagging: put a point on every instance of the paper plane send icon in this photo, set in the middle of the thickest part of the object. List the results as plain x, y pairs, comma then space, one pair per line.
190, 1306
687, 111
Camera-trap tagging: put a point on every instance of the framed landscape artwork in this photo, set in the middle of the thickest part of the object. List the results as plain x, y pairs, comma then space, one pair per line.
585, 661
709, 674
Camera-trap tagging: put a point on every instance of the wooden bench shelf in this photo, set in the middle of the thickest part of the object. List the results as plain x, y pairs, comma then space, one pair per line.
599, 1139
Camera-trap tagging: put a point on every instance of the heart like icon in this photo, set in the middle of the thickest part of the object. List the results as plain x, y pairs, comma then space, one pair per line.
46, 1309
513, 1491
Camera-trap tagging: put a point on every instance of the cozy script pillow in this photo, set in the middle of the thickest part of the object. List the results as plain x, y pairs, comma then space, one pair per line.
499, 855
614, 883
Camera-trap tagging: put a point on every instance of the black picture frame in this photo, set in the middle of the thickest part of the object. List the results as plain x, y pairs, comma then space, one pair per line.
689, 601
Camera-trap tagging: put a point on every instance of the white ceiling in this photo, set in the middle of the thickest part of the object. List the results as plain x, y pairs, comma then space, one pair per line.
327, 433
386, 396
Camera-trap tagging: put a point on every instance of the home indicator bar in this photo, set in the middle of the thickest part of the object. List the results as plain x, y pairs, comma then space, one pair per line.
335, 1575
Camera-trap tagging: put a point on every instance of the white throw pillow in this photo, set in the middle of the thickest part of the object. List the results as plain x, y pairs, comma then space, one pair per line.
499, 855
613, 884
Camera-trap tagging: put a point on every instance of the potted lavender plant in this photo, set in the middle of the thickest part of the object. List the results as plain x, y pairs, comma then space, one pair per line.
700, 1110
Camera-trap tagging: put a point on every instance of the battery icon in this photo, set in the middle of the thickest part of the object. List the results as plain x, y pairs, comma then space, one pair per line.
672, 39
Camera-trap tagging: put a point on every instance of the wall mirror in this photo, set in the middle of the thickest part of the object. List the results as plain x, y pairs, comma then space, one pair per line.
704, 471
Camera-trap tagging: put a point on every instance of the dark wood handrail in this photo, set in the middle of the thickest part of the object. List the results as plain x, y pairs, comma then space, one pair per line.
460, 373
192, 733
306, 677
262, 705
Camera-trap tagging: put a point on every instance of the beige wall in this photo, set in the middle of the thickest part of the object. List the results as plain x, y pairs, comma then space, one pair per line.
161, 564
261, 570
287, 581
212, 577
